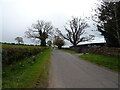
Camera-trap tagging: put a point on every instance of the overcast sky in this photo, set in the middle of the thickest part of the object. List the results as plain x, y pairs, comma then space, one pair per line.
18, 15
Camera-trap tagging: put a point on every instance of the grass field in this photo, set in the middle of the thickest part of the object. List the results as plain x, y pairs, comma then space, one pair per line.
16, 45
109, 62
28, 72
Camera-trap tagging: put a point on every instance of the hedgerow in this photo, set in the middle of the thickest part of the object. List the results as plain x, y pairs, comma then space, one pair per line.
15, 54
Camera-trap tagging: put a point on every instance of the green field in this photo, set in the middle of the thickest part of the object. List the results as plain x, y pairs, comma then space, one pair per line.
109, 62
16, 45
29, 72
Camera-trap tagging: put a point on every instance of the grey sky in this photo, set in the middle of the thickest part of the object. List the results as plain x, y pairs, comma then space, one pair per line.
18, 15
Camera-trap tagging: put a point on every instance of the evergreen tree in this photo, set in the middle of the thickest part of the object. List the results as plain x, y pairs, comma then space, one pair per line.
108, 23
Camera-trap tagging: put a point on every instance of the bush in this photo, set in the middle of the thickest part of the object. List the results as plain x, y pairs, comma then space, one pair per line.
14, 54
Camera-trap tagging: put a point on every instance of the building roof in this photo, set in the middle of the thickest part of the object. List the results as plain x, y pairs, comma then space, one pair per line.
92, 44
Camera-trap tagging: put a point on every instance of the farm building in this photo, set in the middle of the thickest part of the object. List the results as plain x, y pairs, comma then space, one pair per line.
85, 47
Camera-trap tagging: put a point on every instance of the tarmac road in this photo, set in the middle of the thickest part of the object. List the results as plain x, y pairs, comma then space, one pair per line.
68, 71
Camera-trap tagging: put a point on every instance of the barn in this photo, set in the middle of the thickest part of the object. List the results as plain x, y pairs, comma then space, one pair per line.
85, 47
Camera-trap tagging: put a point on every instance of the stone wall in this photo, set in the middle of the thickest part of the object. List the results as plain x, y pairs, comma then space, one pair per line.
109, 51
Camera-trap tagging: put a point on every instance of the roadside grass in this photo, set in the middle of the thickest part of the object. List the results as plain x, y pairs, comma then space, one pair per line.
28, 72
69, 51
109, 62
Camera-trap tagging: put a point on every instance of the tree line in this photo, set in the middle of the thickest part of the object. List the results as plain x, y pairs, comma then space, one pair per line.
107, 19
42, 30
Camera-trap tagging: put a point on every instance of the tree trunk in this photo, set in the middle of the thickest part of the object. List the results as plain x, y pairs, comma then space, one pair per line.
59, 47
18, 42
74, 44
43, 42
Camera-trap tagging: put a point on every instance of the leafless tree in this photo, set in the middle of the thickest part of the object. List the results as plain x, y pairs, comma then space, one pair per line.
75, 31
19, 40
40, 31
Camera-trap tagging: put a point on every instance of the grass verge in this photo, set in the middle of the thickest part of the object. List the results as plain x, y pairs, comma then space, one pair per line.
69, 51
109, 62
28, 73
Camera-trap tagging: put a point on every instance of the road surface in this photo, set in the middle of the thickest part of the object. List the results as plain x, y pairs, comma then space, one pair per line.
68, 71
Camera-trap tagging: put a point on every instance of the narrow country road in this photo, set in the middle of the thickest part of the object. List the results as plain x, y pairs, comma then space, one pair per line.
68, 71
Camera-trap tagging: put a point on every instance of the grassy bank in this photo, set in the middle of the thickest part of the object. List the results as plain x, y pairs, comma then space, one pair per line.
109, 62
28, 72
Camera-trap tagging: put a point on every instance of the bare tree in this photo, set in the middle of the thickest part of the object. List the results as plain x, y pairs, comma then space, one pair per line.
19, 40
40, 31
75, 30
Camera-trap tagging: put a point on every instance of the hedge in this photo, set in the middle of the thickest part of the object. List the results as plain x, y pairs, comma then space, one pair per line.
14, 54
